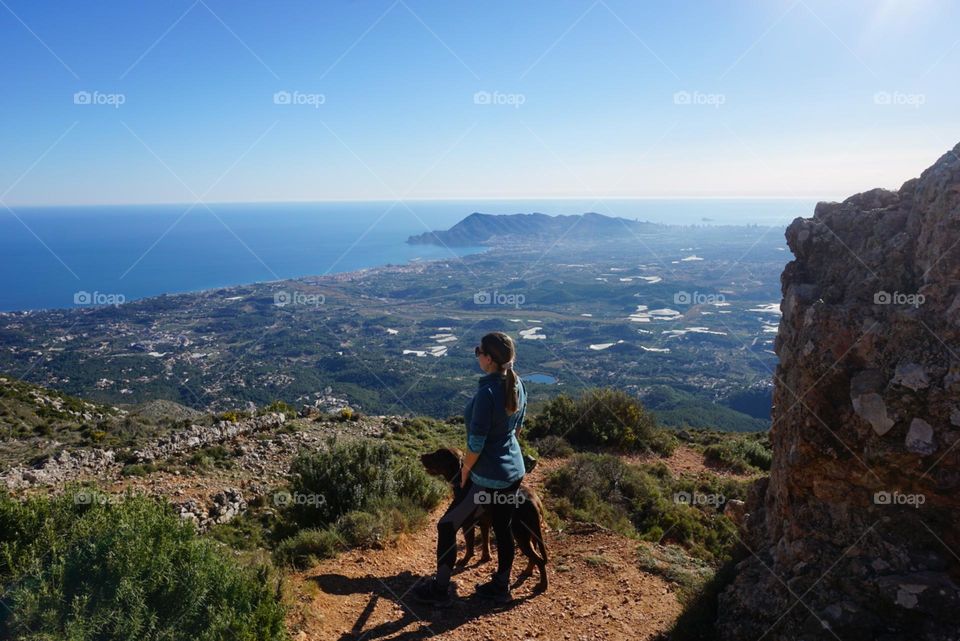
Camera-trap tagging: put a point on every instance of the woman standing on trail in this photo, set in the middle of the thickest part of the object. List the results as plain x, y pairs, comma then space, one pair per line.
491, 472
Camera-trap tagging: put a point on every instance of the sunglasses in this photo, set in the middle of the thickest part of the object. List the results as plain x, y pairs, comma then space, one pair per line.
477, 351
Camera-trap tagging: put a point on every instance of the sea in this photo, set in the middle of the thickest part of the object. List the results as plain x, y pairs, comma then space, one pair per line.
62, 257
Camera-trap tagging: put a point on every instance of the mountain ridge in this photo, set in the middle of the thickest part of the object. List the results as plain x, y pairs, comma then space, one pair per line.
481, 229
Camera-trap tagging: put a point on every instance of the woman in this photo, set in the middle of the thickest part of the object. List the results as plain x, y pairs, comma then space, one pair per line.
491, 473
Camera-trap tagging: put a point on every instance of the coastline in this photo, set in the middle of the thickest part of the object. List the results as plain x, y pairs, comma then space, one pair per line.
316, 280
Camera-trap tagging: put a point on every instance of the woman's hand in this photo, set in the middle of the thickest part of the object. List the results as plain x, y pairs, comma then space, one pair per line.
468, 462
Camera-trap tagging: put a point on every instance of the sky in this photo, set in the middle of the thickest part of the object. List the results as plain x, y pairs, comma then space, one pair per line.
233, 101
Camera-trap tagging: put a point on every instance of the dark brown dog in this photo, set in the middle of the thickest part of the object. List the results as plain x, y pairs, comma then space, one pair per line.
527, 521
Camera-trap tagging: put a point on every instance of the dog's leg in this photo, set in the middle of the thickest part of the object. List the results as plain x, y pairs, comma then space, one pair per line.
485, 542
469, 537
523, 542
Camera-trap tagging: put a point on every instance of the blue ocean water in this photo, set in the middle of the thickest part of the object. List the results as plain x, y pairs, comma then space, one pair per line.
49, 254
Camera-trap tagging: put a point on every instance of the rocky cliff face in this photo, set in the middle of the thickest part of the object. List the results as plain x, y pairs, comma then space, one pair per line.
857, 533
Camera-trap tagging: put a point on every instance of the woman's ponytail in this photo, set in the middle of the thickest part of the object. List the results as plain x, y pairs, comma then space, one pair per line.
511, 392
501, 349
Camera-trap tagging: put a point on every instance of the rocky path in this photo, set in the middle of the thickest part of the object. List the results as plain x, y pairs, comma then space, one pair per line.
597, 591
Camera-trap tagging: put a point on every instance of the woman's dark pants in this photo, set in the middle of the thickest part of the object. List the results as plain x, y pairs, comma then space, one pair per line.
466, 507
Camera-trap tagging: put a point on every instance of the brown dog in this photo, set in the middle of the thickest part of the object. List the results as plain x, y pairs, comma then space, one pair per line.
527, 521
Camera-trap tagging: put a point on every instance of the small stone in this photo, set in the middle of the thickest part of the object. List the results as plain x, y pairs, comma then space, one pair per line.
871, 408
920, 437
911, 375
907, 595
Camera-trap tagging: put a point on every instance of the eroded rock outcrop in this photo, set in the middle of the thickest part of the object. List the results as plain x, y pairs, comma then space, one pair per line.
102, 464
857, 533
223, 507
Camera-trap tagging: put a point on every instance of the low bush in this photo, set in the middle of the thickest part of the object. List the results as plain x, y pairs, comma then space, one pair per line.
647, 502
129, 569
741, 453
281, 407
602, 418
553, 446
234, 416
139, 469
361, 494
307, 547
413, 436
345, 477
346, 415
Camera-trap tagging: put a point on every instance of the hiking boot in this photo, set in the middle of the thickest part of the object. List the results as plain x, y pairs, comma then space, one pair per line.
495, 591
430, 593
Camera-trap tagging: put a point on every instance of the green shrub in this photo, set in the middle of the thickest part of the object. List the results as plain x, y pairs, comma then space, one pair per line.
345, 477
131, 569
742, 453
676, 566
411, 482
647, 503
281, 407
139, 469
213, 456
234, 416
307, 547
553, 446
413, 436
358, 475
250, 530
347, 414
380, 523
602, 418
363, 529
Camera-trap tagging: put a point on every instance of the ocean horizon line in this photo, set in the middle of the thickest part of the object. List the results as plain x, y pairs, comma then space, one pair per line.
200, 203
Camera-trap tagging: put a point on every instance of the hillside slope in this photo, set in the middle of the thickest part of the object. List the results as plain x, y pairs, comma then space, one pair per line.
598, 588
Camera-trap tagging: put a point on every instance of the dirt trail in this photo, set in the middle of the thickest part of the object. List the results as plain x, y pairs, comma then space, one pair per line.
597, 591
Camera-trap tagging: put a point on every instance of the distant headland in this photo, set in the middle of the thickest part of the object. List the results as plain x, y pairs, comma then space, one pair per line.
482, 229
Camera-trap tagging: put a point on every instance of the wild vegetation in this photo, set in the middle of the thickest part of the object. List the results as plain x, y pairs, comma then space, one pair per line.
605, 418
81, 569
605, 451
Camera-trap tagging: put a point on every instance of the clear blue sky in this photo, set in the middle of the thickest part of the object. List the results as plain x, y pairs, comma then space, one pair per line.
803, 98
